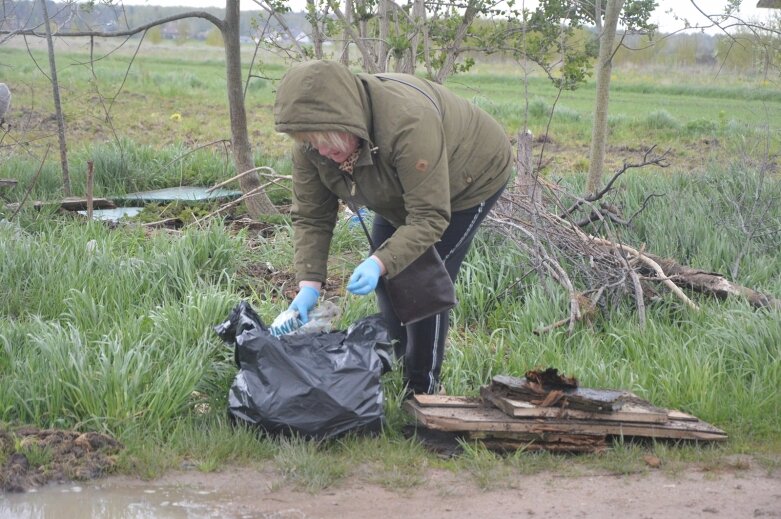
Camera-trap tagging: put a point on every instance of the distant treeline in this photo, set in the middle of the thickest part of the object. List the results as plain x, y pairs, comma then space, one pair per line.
743, 51
71, 16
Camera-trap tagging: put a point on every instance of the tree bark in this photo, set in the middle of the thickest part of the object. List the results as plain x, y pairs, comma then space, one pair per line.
348, 19
317, 35
382, 43
367, 52
66, 181
259, 204
419, 17
451, 55
525, 180
713, 284
604, 68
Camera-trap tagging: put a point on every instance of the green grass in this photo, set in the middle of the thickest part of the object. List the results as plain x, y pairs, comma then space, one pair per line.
124, 316
159, 107
126, 325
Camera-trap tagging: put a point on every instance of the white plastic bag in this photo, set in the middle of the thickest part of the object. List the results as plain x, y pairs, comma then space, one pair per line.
320, 320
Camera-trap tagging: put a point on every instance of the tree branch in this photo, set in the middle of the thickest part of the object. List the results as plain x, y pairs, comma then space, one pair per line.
130, 32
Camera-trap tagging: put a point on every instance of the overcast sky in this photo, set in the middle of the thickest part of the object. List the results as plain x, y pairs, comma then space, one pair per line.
666, 22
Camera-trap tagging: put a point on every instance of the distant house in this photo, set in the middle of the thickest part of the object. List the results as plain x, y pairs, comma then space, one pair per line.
170, 31
303, 38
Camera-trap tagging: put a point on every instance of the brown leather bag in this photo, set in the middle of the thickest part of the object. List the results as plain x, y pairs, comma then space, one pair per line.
421, 290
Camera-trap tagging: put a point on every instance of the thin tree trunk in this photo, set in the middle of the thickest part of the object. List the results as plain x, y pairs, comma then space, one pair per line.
348, 19
317, 35
384, 30
455, 46
604, 68
258, 204
362, 25
367, 52
66, 181
525, 180
419, 16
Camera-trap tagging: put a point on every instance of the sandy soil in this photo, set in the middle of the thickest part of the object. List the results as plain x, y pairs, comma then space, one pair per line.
692, 493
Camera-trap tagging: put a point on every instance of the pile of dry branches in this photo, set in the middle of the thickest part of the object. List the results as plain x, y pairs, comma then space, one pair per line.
597, 271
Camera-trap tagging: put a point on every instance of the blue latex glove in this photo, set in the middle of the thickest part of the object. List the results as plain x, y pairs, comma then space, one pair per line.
304, 302
365, 277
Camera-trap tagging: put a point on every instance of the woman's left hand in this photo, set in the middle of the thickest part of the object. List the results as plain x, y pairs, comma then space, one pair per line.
365, 277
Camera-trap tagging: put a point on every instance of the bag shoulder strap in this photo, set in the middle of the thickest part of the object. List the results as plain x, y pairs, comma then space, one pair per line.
357, 212
350, 203
397, 80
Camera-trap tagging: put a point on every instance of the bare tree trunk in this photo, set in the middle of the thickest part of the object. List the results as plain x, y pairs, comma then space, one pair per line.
604, 68
598, 15
317, 35
367, 52
525, 181
419, 17
455, 46
348, 19
382, 43
258, 204
362, 25
66, 181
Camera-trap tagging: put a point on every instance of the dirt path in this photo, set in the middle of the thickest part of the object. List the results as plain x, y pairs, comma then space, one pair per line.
249, 493
735, 494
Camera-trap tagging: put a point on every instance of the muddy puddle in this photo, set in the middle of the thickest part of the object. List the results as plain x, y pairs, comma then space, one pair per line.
118, 500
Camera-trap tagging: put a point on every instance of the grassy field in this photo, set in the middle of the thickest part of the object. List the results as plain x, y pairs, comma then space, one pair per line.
110, 329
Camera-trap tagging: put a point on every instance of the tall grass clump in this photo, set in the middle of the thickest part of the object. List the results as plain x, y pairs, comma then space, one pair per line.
121, 167
110, 329
659, 120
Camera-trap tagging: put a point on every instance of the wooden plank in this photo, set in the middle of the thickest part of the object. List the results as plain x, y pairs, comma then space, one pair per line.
572, 443
7, 182
447, 401
492, 419
76, 204
521, 409
584, 399
673, 414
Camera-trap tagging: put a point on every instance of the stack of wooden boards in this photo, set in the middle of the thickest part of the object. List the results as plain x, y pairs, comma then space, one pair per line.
544, 410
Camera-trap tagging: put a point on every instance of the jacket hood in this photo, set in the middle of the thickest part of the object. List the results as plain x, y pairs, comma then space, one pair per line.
321, 96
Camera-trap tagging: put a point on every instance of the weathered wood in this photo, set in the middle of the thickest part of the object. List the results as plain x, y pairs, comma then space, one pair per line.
572, 443
447, 401
70, 204
713, 283
77, 204
449, 443
492, 419
583, 399
521, 409
7, 183
673, 414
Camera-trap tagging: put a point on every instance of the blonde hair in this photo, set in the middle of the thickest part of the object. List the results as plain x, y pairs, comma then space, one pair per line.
340, 141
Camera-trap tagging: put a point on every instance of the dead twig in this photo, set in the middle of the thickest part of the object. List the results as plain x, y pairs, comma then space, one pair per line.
654, 266
648, 160
272, 175
248, 194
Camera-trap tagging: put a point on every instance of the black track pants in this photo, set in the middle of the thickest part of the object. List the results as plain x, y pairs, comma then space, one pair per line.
422, 344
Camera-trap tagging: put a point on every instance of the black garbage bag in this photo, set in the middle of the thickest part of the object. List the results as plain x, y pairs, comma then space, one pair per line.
317, 385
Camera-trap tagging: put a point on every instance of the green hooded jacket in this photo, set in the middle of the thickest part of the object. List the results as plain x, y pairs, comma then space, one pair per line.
425, 152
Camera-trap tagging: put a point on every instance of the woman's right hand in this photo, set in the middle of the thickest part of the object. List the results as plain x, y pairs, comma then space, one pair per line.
305, 301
